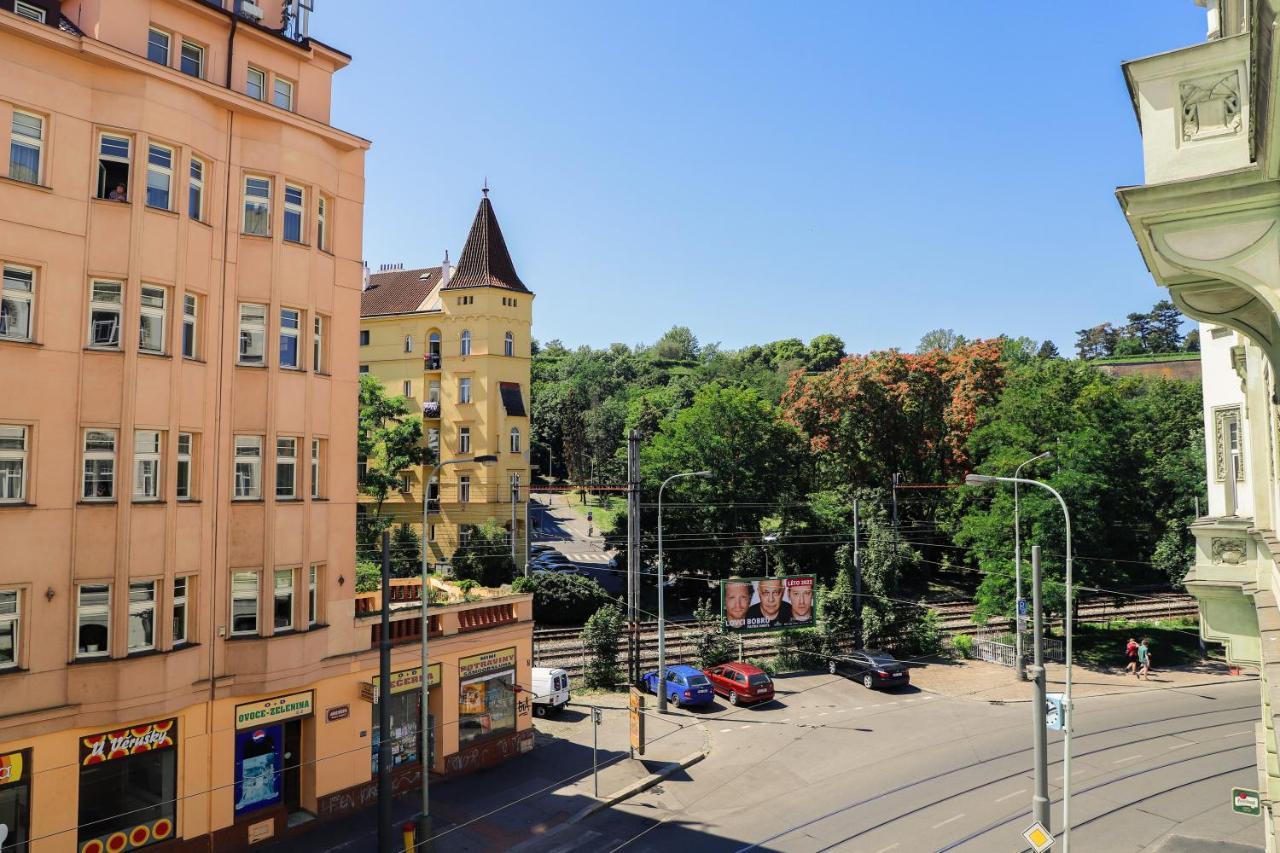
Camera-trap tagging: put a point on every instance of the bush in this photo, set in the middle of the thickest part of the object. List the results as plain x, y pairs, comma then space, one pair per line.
924, 636
563, 599
368, 576
800, 650
600, 642
770, 667
713, 645
963, 644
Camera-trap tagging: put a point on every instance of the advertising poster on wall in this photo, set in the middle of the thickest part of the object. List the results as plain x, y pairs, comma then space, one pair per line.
756, 604
259, 757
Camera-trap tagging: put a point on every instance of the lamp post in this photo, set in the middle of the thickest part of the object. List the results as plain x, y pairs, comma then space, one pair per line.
1017, 563
424, 820
767, 539
1069, 722
662, 596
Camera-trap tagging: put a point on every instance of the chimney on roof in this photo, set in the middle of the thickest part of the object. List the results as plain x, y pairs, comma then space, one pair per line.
364, 285
446, 271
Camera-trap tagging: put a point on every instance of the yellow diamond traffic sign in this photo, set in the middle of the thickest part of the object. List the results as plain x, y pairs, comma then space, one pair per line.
1038, 837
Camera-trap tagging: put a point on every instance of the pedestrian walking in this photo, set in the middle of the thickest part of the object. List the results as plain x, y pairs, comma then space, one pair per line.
1131, 656
1144, 659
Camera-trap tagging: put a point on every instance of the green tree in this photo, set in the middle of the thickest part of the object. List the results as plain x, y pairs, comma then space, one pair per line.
712, 645
1097, 342
389, 439
600, 640
563, 599
940, 339
1048, 349
823, 353
486, 556
1192, 341
1165, 327
406, 553
678, 344
838, 615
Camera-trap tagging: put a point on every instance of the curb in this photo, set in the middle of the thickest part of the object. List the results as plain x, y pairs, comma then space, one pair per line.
637, 787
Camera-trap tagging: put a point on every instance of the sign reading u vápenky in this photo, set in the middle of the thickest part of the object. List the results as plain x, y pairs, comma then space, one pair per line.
274, 710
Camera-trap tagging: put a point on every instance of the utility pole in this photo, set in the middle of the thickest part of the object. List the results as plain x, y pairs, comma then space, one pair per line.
633, 556
386, 840
1040, 799
857, 581
528, 531
515, 500
897, 478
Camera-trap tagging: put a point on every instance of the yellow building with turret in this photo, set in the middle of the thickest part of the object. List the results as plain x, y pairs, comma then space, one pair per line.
456, 342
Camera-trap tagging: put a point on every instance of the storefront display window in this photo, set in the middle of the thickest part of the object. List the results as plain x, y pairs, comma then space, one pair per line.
406, 741
128, 787
259, 763
487, 701
15, 801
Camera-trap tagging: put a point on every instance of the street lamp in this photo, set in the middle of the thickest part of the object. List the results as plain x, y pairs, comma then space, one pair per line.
1069, 723
767, 539
662, 597
1017, 563
424, 820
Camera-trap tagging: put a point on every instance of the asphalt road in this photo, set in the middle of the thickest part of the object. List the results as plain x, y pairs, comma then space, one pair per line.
832, 766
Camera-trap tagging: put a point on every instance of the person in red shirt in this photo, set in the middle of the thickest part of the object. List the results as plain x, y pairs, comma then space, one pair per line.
1131, 655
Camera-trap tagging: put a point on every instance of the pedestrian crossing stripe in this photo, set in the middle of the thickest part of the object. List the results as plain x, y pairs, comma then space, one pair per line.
595, 557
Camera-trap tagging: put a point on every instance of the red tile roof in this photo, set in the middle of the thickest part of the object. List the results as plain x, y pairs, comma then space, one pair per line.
485, 261
397, 291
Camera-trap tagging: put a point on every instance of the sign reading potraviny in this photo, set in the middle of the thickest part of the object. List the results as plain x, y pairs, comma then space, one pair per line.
757, 604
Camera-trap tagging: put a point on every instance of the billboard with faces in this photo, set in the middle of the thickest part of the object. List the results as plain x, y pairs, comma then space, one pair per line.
754, 604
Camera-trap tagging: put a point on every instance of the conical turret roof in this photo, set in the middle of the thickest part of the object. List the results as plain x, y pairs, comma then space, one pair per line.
485, 261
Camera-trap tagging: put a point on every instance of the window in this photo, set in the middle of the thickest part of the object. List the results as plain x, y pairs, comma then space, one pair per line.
158, 46
464, 343
283, 94
515, 488
99, 464
257, 206
244, 603
316, 491
464, 439
253, 334
487, 703
362, 468
13, 464
146, 465
113, 168
25, 147
433, 391
515, 439
26, 10
17, 302
464, 489
284, 600
313, 592
126, 794
509, 345
195, 191
290, 328
256, 84
407, 388
408, 343
248, 467
180, 590
192, 60
464, 535
293, 201
93, 620
190, 321
151, 320
431, 533
10, 627
286, 468
364, 368
364, 337
322, 224
159, 176
104, 314
464, 390
142, 616
185, 489
317, 346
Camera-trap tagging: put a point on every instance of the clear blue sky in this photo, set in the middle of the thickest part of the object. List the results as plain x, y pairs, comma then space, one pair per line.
761, 170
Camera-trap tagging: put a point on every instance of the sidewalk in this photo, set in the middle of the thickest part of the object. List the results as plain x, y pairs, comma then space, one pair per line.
990, 682
525, 798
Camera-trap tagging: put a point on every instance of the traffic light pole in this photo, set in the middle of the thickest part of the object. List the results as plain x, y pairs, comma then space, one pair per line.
1039, 725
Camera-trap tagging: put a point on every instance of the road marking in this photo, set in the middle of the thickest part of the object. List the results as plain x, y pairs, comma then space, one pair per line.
859, 708
893, 846
841, 710
890, 703
948, 820
787, 720
722, 731
1130, 758
1011, 796
822, 713
743, 727
1181, 746
908, 700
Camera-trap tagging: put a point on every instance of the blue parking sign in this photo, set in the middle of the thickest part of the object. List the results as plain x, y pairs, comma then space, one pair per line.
1022, 607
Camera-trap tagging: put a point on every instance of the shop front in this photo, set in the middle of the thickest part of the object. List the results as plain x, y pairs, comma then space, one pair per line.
15, 801
487, 701
405, 713
269, 755
128, 788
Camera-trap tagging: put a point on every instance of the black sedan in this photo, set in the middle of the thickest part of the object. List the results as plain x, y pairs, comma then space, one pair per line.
874, 668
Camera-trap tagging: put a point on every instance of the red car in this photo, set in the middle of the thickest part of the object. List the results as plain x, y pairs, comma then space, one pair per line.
741, 682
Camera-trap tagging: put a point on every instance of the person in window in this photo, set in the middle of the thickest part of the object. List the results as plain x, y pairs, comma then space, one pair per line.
118, 194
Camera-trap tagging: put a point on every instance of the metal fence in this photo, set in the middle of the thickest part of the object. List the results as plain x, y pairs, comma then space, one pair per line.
1001, 648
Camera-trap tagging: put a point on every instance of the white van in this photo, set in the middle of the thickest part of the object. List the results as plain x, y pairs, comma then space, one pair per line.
550, 690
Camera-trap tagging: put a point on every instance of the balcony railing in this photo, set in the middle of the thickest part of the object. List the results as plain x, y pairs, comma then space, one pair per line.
431, 361
431, 409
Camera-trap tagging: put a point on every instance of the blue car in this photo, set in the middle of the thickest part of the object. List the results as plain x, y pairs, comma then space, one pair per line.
685, 686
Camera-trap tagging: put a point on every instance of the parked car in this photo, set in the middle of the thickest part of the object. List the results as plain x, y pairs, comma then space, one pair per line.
686, 686
741, 682
550, 690
873, 667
